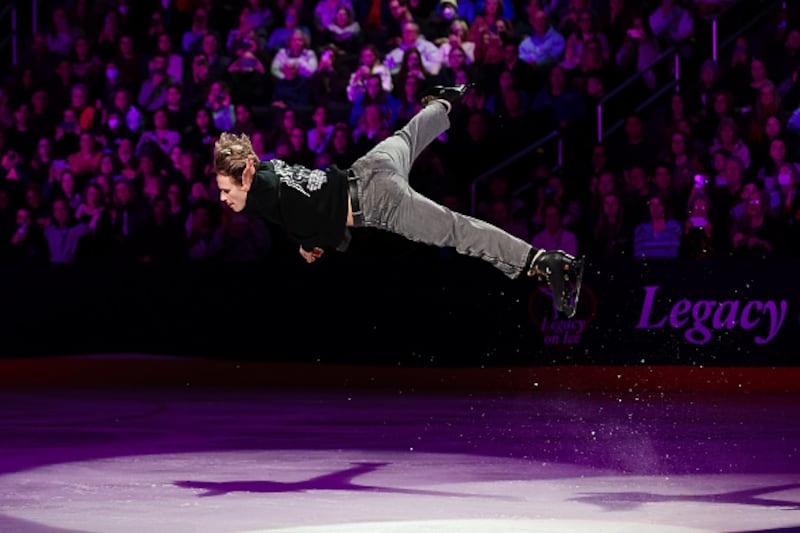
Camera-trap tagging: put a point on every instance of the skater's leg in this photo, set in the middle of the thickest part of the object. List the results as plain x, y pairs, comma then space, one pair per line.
401, 210
388, 202
391, 204
401, 149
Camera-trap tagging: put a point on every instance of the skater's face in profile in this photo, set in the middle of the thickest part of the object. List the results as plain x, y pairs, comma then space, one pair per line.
233, 190
231, 193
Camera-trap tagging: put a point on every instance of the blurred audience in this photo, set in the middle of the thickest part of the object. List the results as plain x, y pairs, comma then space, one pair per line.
107, 133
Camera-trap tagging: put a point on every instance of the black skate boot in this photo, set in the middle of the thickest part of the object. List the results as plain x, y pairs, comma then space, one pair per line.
440, 92
564, 273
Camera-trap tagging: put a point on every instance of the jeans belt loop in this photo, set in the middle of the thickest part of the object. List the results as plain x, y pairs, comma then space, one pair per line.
358, 215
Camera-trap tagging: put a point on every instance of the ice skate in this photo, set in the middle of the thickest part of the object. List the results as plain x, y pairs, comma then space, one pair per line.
564, 273
440, 92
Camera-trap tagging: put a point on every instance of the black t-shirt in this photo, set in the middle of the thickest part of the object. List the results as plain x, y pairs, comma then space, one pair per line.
310, 205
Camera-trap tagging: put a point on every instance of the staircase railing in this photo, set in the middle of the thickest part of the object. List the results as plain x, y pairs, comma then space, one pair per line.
8, 14
670, 58
756, 11
553, 136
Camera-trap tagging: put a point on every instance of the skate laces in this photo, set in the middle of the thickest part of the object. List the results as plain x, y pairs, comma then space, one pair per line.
534, 269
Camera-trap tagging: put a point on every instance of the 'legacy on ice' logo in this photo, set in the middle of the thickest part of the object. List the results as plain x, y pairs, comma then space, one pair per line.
556, 329
702, 318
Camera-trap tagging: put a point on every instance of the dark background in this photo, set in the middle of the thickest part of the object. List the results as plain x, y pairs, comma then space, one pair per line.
408, 310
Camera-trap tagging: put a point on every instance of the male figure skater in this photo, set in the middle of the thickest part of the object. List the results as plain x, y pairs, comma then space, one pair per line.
315, 207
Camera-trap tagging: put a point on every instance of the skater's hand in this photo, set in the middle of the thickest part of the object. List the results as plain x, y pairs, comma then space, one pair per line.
313, 255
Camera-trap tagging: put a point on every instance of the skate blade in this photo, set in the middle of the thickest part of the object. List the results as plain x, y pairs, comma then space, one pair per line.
573, 277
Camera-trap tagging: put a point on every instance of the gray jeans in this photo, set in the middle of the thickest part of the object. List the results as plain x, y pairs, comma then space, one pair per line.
387, 201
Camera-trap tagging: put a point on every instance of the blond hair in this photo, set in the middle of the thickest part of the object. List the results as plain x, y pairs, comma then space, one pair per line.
230, 155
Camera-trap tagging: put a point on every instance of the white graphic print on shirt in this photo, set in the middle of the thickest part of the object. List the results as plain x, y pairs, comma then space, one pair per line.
300, 178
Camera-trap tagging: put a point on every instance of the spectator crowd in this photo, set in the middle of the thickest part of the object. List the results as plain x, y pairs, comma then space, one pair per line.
108, 122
